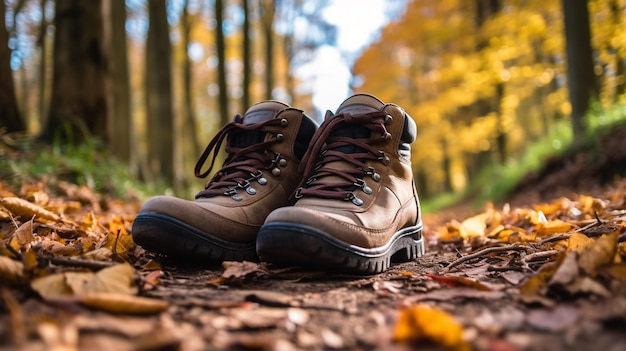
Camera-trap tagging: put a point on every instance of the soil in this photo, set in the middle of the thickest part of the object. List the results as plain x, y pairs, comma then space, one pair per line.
254, 306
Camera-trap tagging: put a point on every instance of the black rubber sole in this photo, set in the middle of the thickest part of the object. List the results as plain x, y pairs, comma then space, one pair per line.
166, 235
300, 245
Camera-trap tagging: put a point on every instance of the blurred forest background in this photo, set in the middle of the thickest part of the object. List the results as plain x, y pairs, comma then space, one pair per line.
494, 85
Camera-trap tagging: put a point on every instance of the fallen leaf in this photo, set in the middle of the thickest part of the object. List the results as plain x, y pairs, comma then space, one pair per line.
554, 320
538, 283
123, 303
567, 271
24, 234
553, 227
461, 292
601, 253
24, 209
385, 287
578, 242
617, 271
422, 322
454, 281
116, 279
474, 226
242, 270
11, 271
586, 285
52, 287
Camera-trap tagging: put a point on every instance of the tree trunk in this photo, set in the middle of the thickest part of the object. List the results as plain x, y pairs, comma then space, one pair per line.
121, 126
247, 56
42, 42
159, 93
188, 127
221, 65
78, 106
268, 9
9, 114
620, 67
581, 81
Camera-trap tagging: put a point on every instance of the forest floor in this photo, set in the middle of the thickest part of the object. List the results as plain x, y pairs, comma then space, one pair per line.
544, 271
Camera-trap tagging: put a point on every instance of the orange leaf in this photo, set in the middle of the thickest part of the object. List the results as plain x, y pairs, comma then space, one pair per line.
422, 322
453, 281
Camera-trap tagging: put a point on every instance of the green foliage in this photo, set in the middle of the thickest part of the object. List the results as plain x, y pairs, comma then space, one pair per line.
23, 160
496, 181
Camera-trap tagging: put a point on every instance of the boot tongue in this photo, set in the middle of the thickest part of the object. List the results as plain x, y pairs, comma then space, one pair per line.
258, 113
356, 105
360, 104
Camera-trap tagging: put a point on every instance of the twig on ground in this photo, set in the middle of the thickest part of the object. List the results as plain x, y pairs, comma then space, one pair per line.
539, 255
568, 234
485, 251
75, 262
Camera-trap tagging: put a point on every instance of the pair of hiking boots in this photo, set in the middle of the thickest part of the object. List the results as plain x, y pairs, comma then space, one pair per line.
339, 196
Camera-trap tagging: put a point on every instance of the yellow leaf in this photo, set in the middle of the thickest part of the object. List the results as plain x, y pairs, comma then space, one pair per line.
52, 287
24, 209
24, 234
553, 227
122, 303
423, 322
618, 271
536, 284
601, 253
118, 279
11, 271
578, 242
474, 226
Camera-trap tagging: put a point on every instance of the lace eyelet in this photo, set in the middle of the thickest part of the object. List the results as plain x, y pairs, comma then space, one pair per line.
372, 173
259, 177
298, 193
384, 158
363, 186
275, 172
280, 137
388, 119
355, 200
284, 122
282, 162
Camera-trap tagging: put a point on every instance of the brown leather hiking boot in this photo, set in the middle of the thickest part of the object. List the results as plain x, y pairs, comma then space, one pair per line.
260, 173
357, 208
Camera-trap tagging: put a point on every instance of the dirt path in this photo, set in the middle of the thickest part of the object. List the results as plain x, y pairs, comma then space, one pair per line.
550, 277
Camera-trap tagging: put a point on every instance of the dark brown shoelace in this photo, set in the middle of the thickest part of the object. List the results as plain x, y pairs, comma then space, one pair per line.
324, 180
243, 164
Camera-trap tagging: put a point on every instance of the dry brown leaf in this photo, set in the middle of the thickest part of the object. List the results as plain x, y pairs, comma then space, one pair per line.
587, 285
474, 226
52, 287
553, 227
242, 270
24, 234
118, 279
537, 284
554, 320
567, 271
578, 242
24, 209
422, 322
11, 271
454, 281
618, 271
601, 253
123, 303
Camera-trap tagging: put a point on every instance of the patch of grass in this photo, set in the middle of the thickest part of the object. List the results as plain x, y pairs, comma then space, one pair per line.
495, 182
23, 160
